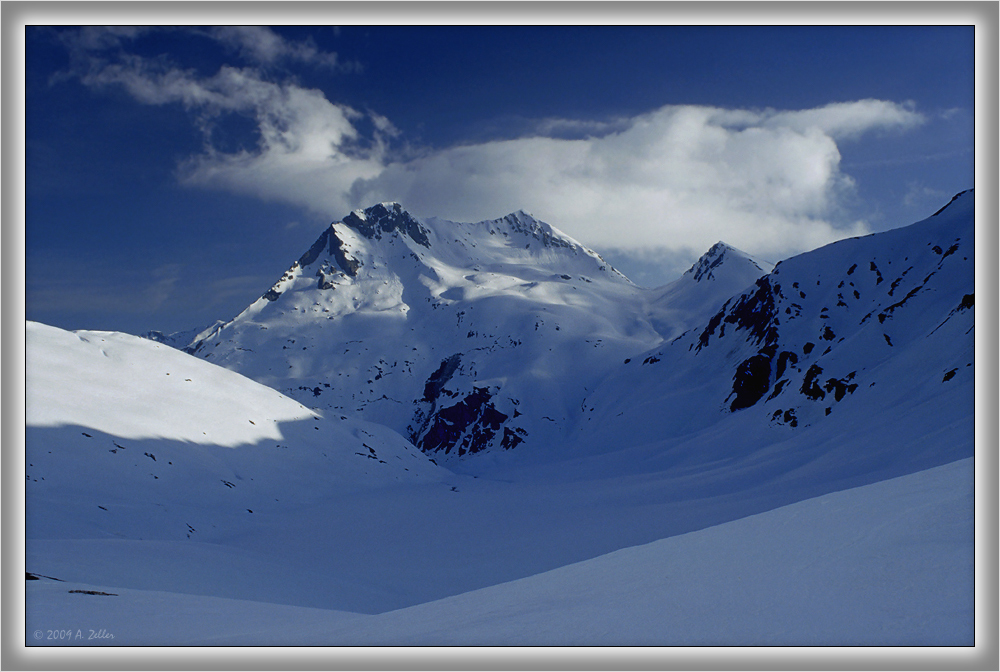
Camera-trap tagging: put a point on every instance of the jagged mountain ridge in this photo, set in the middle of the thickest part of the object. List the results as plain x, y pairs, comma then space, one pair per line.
461, 336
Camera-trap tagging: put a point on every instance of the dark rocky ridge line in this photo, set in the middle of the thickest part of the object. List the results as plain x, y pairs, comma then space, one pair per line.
386, 218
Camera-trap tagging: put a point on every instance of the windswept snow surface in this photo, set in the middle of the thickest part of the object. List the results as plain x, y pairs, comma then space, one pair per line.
728, 485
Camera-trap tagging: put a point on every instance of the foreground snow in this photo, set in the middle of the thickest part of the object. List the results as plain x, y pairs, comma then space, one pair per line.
885, 564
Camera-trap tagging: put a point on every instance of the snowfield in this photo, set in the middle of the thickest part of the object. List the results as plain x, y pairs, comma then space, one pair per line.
885, 564
435, 433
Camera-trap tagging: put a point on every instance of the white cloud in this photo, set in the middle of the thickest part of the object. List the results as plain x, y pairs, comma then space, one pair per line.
680, 177
262, 45
850, 120
258, 45
919, 195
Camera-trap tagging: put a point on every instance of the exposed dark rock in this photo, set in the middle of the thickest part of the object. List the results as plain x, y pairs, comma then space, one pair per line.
708, 261
510, 439
840, 387
953, 199
784, 359
316, 249
468, 426
909, 295
878, 274
347, 264
386, 218
432, 388
713, 324
967, 302
28, 576
785, 417
326, 279
522, 222
751, 381
809, 386
756, 313
778, 387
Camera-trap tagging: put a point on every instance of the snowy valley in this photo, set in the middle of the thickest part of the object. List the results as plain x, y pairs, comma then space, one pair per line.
429, 432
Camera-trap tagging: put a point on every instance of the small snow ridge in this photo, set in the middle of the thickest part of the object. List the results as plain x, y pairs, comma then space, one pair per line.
953, 199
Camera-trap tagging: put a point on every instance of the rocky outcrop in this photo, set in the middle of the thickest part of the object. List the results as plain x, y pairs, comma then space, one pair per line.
386, 218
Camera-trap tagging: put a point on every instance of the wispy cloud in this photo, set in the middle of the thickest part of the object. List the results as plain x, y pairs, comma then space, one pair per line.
262, 45
256, 45
921, 195
679, 177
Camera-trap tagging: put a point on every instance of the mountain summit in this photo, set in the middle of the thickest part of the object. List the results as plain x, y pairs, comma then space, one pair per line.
715, 277
461, 336
386, 218
720, 253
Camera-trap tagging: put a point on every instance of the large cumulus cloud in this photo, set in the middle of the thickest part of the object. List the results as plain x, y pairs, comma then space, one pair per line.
676, 178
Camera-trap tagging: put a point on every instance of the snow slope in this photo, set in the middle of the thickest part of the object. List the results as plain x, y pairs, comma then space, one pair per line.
885, 564
127, 438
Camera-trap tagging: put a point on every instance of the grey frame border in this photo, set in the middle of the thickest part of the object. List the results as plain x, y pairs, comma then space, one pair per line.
14, 16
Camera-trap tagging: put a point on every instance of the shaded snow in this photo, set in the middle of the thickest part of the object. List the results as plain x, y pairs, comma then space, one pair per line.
885, 564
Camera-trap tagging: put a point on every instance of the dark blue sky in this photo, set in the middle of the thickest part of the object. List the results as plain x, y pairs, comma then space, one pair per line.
173, 175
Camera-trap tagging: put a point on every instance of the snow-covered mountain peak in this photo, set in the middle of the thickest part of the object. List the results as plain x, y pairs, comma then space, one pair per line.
524, 223
381, 218
691, 299
721, 253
